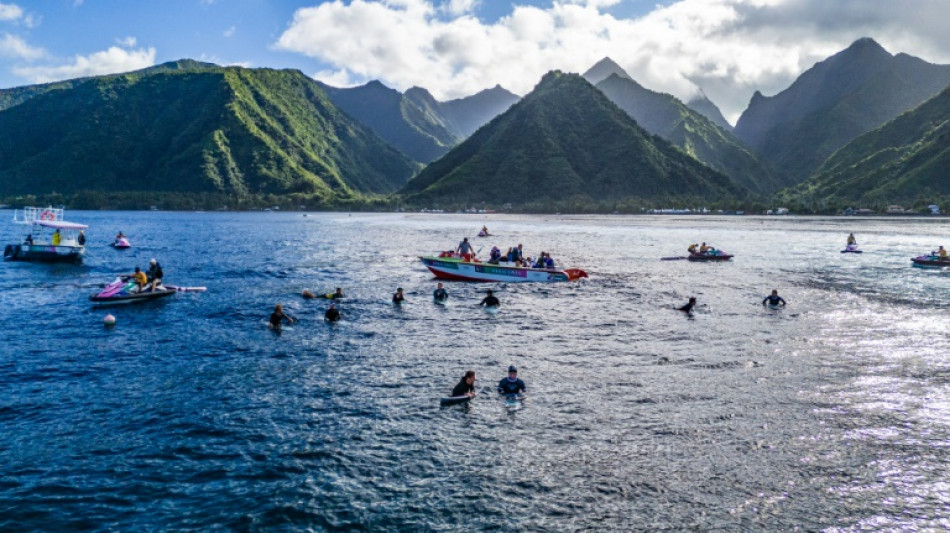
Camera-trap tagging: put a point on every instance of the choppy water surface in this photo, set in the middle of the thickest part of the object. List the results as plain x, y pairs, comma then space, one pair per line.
190, 414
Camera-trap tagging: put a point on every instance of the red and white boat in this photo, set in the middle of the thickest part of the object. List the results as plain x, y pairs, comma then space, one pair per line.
449, 266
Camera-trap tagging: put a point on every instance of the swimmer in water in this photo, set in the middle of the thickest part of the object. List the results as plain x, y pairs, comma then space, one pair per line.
774, 299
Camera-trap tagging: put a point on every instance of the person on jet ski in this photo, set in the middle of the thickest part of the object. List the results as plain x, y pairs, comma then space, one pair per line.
942, 253
139, 278
851, 240
154, 275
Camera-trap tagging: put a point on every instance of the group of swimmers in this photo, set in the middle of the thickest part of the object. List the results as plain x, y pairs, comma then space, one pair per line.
508, 385
773, 300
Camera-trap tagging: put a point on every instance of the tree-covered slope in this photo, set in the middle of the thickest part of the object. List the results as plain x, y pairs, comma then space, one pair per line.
665, 115
225, 130
466, 115
565, 139
835, 101
704, 106
418, 132
902, 161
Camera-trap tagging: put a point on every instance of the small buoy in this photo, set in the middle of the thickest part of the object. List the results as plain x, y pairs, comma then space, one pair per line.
109, 320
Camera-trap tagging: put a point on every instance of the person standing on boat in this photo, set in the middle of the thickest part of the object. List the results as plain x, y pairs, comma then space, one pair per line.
277, 317
398, 298
332, 314
851, 240
512, 384
490, 300
81, 239
154, 275
466, 386
774, 299
465, 250
440, 294
29, 239
57, 237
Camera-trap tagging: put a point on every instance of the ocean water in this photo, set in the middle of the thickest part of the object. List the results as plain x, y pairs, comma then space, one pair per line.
831, 414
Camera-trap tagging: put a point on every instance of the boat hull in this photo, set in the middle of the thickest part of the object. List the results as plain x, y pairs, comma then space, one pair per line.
930, 261
457, 270
126, 298
43, 253
708, 257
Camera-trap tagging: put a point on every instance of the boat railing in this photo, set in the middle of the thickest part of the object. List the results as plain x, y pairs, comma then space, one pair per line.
29, 215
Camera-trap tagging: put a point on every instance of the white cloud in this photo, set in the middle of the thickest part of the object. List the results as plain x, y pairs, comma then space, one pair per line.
111, 61
127, 42
17, 48
460, 7
229, 32
729, 48
10, 11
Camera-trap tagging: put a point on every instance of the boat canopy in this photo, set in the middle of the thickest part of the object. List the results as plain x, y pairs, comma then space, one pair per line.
59, 224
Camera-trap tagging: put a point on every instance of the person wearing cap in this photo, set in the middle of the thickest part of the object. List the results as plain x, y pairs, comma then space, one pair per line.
154, 275
398, 298
466, 386
332, 314
512, 384
490, 300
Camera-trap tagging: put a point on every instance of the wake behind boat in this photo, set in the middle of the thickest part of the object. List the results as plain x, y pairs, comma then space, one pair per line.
51, 238
448, 266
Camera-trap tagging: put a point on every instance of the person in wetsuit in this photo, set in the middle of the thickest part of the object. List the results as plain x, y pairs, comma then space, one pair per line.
512, 384
398, 298
277, 317
332, 314
774, 299
440, 293
688, 308
154, 275
466, 386
490, 300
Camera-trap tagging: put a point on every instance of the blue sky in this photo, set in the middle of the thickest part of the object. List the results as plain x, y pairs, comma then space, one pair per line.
727, 48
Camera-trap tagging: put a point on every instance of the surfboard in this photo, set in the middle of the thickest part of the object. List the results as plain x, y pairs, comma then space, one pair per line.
454, 400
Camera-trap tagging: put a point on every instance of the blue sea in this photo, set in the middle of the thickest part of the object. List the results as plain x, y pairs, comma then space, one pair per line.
191, 415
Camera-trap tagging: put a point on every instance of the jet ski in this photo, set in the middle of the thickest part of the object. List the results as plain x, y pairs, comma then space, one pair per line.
121, 243
124, 291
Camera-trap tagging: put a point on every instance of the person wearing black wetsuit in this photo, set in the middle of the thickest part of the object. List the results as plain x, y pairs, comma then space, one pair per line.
440, 294
277, 316
332, 314
81, 239
774, 299
465, 387
512, 384
688, 308
490, 300
398, 298
154, 275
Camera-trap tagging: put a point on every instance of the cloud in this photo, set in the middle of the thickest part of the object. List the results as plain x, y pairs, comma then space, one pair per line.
9, 12
729, 48
229, 32
127, 42
17, 48
111, 61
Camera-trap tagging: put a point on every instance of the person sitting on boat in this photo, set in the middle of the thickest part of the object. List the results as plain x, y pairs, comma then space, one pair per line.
29, 239
692, 248
465, 250
466, 386
942, 253
278, 316
512, 384
57, 237
540, 262
483, 232
510, 256
851, 240
495, 255
81, 239
548, 261
688, 308
520, 251
703, 249
398, 298
154, 275
490, 300
440, 294
332, 314
139, 278
774, 299
119, 235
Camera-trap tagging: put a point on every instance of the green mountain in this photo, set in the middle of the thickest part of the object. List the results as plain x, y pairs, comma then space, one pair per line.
418, 131
665, 115
565, 140
466, 115
834, 102
904, 161
193, 128
708, 109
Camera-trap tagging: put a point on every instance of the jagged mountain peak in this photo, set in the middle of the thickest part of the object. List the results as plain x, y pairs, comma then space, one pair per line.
603, 69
